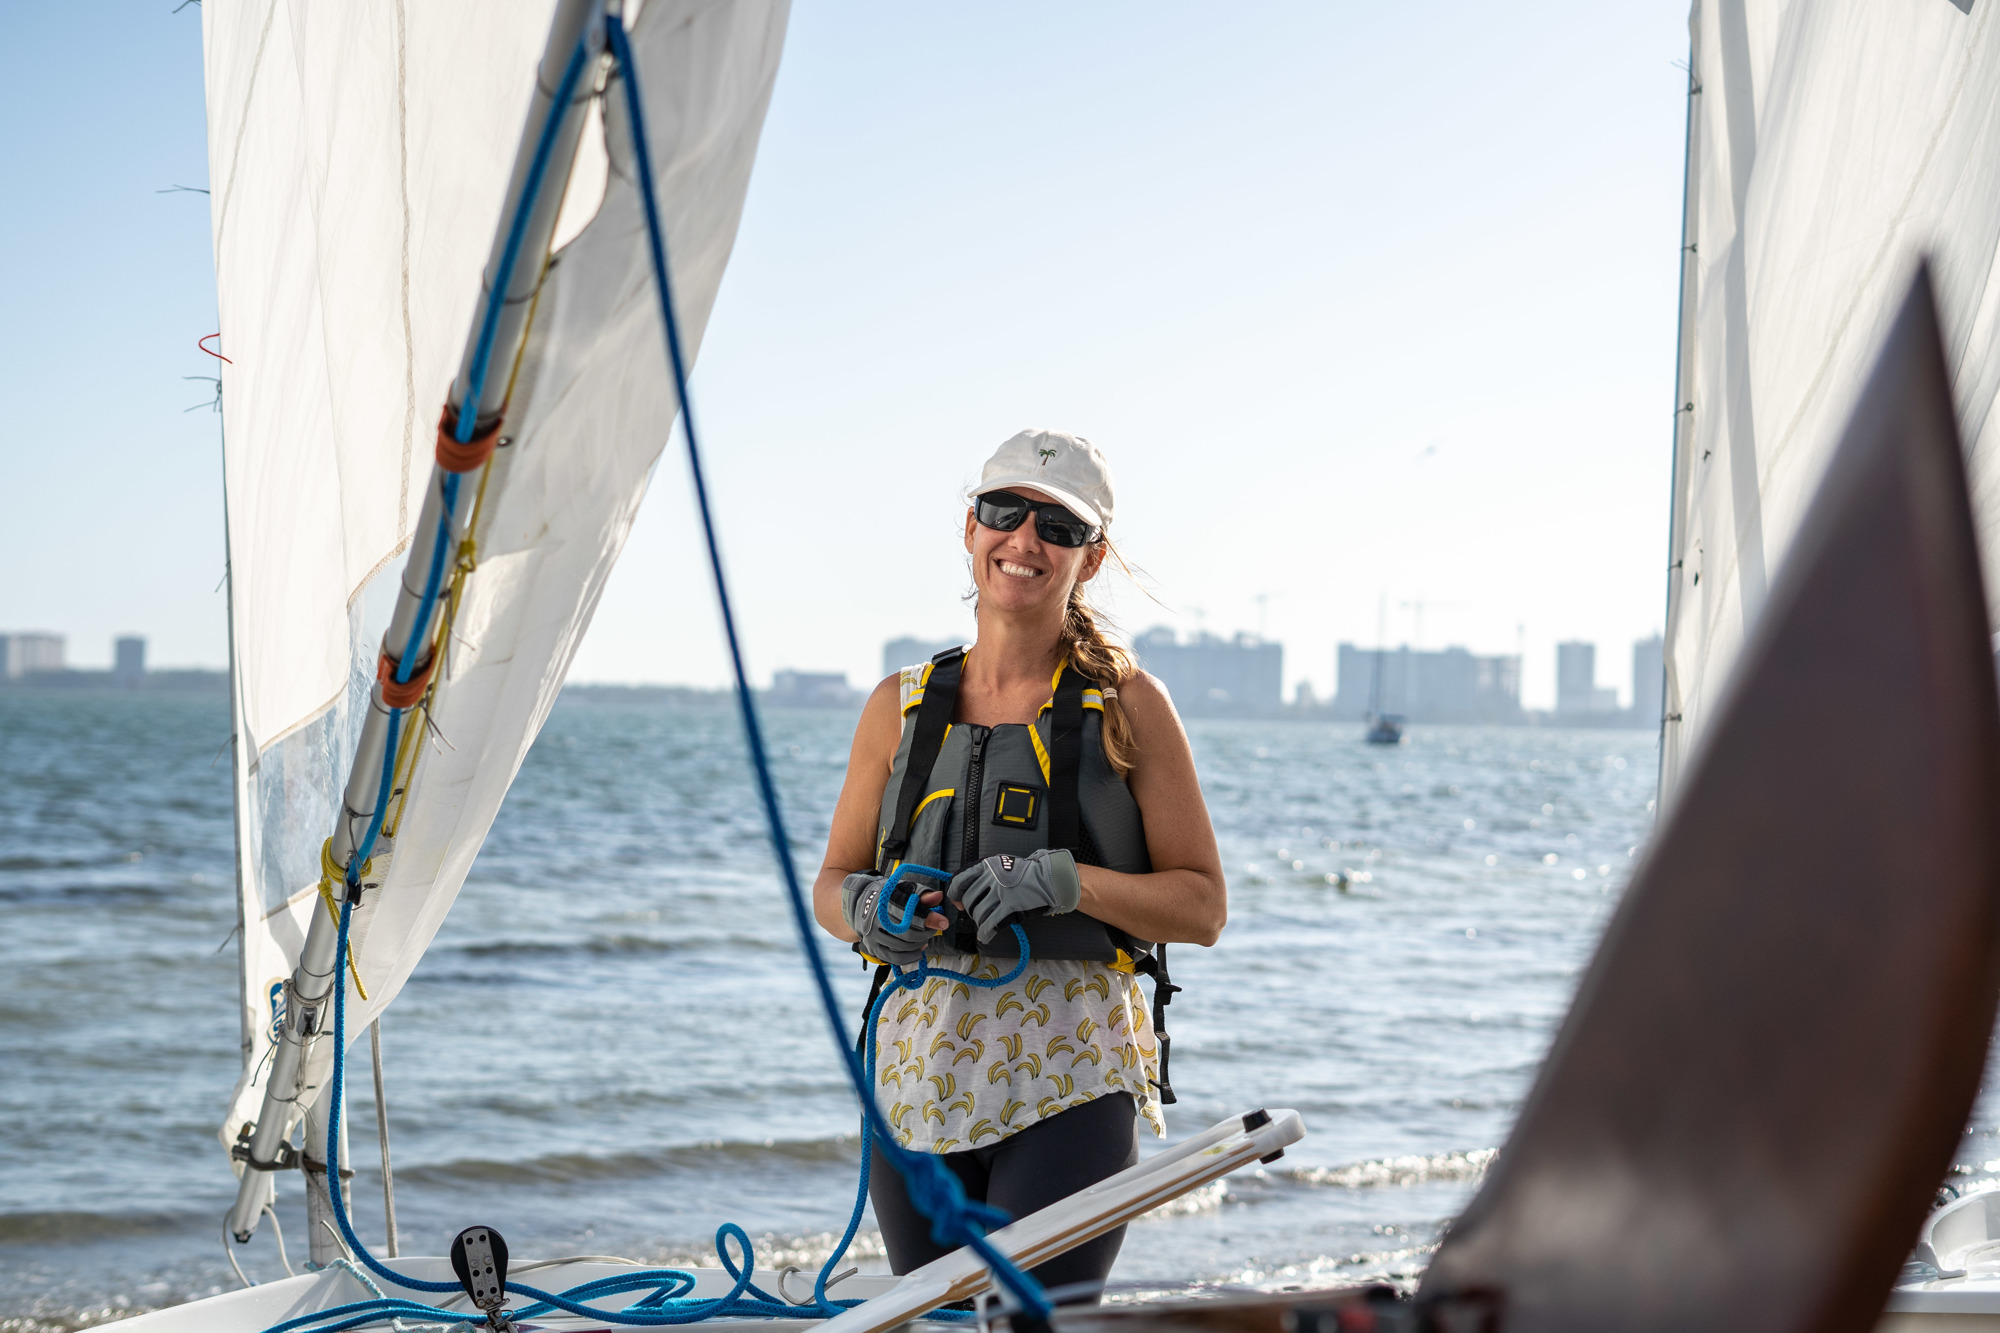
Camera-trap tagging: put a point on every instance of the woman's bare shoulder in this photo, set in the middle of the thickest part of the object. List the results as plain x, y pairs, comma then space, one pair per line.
881, 723
1147, 703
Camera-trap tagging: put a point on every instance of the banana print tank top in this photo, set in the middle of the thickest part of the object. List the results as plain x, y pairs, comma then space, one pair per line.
961, 1067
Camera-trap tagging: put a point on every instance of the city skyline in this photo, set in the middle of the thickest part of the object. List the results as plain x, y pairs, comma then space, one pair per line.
1442, 684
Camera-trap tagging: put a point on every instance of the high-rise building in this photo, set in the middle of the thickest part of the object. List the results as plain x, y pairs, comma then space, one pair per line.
1649, 681
811, 689
906, 651
24, 653
1576, 681
1442, 685
1210, 676
128, 660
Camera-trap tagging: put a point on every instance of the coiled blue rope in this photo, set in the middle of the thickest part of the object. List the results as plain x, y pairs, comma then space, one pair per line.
934, 1189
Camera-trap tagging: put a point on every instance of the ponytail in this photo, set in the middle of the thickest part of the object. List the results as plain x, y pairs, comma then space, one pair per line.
1107, 663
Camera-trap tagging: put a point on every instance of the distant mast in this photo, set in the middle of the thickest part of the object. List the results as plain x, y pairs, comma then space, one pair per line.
1383, 728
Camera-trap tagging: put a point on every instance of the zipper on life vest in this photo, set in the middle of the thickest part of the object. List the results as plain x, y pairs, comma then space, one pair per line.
964, 939
975, 781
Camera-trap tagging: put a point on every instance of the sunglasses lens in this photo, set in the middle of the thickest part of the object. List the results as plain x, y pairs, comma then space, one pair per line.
1059, 527
1001, 511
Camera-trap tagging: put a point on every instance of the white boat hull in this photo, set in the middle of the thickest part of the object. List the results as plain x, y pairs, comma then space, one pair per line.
890, 1301
262, 1306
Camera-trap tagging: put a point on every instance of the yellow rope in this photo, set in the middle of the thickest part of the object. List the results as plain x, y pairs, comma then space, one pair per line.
331, 872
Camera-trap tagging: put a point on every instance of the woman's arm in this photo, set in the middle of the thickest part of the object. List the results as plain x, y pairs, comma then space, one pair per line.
1184, 899
851, 845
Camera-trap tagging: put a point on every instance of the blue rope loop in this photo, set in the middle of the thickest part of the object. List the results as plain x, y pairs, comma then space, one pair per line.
882, 910
937, 1191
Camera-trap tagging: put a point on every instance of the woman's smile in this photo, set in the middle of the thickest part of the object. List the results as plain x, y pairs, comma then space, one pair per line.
1013, 570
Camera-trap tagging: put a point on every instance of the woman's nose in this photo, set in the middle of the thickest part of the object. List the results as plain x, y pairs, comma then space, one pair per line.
1024, 538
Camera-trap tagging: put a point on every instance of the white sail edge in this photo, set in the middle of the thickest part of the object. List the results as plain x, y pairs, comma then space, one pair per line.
1835, 145
591, 411
1672, 733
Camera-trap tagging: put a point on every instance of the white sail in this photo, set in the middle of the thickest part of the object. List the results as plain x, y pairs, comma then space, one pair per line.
360, 152
1833, 144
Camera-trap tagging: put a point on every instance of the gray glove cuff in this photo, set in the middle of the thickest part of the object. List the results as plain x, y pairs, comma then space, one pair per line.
853, 890
1065, 889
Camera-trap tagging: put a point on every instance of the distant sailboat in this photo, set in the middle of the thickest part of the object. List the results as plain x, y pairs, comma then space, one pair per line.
1383, 728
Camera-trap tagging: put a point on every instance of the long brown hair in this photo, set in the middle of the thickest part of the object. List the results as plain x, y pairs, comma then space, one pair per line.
1103, 660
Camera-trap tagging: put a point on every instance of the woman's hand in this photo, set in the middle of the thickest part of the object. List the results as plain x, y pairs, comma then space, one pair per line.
1001, 887
879, 926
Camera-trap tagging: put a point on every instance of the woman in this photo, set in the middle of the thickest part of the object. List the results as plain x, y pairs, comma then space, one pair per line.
1052, 780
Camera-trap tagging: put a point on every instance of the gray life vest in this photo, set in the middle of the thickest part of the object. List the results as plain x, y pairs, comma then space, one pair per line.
959, 793
1012, 788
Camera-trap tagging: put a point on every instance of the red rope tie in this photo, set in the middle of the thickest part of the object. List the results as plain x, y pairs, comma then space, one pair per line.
407, 693
202, 343
469, 456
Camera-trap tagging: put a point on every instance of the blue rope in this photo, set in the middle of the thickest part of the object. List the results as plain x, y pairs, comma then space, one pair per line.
517, 234
903, 981
934, 1188
666, 1306
902, 927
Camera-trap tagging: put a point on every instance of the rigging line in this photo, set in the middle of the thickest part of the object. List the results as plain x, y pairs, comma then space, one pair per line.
409, 754
954, 1217
517, 231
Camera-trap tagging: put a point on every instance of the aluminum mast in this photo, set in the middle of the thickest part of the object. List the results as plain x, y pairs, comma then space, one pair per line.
308, 993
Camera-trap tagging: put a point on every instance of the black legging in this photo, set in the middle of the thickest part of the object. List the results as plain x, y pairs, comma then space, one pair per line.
1047, 1161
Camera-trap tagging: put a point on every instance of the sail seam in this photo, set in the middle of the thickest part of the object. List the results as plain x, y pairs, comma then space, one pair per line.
243, 125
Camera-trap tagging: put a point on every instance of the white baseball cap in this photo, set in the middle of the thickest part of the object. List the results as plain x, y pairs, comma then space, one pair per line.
1066, 466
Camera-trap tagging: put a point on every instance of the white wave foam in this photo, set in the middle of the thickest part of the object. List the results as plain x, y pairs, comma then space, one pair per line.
1399, 1267
775, 1251
1412, 1170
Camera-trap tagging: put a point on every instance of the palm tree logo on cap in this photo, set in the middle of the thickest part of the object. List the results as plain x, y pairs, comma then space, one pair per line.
1046, 454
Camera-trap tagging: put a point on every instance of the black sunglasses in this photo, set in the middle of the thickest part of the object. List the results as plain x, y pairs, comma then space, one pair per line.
1003, 511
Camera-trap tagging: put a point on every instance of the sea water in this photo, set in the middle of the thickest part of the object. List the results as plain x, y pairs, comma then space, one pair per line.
613, 1047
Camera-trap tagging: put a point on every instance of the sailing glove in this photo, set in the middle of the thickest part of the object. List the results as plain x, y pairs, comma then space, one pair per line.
1002, 887
861, 904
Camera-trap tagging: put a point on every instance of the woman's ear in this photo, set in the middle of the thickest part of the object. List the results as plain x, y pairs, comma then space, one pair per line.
970, 521
1093, 560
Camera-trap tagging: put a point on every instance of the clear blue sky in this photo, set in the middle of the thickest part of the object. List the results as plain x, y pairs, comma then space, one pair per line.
1361, 301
